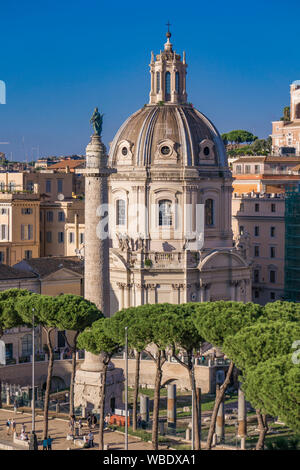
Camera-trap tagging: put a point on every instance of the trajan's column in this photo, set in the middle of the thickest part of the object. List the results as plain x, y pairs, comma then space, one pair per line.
96, 270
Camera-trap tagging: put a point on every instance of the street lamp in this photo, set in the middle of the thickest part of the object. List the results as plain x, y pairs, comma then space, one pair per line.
126, 388
33, 397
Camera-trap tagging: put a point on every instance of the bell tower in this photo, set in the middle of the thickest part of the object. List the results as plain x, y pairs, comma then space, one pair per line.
168, 76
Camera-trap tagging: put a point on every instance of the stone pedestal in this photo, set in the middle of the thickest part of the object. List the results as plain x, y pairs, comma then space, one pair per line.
87, 390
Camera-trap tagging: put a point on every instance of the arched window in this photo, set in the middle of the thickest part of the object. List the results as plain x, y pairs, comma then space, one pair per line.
157, 82
177, 82
165, 213
168, 83
209, 212
120, 212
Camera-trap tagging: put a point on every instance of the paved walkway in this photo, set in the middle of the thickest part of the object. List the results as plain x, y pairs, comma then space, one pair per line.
58, 430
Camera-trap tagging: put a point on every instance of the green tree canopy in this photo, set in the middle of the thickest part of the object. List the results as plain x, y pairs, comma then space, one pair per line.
260, 342
217, 320
9, 316
280, 310
75, 313
239, 136
274, 387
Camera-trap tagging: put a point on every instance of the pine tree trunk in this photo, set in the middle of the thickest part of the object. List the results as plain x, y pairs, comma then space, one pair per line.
73, 373
136, 389
48, 384
102, 406
0, 393
158, 377
263, 429
219, 398
196, 413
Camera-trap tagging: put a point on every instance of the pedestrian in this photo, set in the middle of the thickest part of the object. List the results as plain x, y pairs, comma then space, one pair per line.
8, 426
90, 439
13, 425
23, 428
45, 444
89, 420
79, 426
139, 421
49, 441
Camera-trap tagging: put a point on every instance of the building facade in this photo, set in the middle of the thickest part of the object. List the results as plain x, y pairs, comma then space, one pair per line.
286, 133
258, 223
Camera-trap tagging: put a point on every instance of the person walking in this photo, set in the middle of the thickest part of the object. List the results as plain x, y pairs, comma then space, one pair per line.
8, 426
79, 426
49, 442
14, 426
23, 428
45, 444
89, 421
90, 439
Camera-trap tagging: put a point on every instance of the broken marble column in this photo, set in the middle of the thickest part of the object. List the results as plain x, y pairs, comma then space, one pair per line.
220, 423
242, 416
144, 408
171, 413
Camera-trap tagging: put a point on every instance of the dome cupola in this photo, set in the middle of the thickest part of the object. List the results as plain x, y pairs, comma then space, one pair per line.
168, 76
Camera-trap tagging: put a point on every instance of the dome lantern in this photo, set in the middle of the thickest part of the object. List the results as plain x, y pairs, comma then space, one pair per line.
168, 76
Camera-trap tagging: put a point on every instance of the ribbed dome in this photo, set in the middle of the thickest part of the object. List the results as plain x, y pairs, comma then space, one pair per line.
167, 135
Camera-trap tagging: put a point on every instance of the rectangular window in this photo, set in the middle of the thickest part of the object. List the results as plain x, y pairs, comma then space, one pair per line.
29, 186
272, 252
30, 232
241, 229
49, 216
1, 256
272, 296
61, 216
81, 238
28, 254
238, 169
71, 237
60, 237
242, 207
3, 211
59, 186
256, 275
49, 237
273, 207
256, 294
4, 232
256, 207
256, 251
257, 169
272, 276
247, 169
256, 231
26, 210
272, 231
48, 186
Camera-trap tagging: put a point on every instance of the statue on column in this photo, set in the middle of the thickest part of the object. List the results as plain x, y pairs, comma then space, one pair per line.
97, 121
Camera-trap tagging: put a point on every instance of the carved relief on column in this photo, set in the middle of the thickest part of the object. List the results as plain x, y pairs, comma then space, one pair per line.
151, 293
121, 286
233, 290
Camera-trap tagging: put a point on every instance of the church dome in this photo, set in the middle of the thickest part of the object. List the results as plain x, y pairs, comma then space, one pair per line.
168, 134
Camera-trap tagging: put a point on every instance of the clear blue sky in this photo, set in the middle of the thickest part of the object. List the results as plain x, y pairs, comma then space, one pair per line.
61, 59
